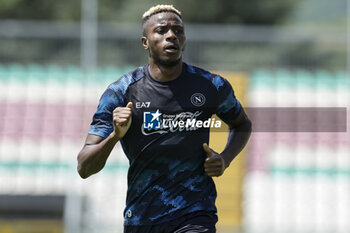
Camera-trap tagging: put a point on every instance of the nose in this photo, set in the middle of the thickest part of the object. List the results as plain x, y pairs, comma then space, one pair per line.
171, 35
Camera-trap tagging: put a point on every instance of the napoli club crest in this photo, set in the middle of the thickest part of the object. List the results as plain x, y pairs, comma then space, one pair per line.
198, 99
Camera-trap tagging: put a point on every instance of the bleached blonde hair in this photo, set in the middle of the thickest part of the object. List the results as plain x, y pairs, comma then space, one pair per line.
158, 9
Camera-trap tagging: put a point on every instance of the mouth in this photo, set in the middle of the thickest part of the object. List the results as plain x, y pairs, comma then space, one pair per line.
172, 48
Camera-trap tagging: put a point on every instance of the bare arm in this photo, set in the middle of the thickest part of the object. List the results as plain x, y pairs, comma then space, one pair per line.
92, 158
239, 134
238, 137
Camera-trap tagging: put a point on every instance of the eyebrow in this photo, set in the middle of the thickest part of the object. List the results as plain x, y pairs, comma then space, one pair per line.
167, 24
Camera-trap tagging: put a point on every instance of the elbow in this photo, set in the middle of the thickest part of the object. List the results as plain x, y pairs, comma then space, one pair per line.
249, 126
87, 168
82, 173
243, 127
81, 168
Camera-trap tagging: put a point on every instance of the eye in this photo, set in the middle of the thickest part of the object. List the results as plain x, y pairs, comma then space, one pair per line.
161, 30
178, 30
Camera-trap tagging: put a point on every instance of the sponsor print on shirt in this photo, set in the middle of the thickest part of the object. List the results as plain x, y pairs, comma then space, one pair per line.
157, 122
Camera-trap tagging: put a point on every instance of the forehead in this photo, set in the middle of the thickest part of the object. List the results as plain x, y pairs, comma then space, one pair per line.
164, 18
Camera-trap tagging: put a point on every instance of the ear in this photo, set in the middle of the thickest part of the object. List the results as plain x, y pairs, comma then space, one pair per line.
144, 42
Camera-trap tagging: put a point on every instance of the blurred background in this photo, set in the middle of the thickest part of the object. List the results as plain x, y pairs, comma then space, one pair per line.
57, 57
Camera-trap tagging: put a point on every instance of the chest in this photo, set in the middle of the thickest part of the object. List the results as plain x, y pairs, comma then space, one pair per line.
164, 108
172, 99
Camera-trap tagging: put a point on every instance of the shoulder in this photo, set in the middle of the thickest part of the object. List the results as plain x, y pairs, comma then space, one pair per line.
216, 80
128, 79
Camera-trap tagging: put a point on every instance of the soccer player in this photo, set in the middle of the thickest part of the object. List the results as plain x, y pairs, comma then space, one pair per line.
161, 115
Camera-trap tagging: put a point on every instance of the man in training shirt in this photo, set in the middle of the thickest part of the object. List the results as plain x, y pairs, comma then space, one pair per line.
162, 113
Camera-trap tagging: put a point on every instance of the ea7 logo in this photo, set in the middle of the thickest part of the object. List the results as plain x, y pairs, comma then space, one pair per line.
143, 104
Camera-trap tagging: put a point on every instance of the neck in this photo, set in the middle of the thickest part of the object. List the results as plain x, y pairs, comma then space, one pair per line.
164, 73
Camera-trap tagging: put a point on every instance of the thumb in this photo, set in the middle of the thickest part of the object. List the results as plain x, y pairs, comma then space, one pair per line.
207, 149
129, 105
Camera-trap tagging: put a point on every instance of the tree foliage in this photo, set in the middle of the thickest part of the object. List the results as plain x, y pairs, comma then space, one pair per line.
196, 11
40, 10
238, 11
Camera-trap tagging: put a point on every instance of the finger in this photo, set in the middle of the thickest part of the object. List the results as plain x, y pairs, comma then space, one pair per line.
122, 110
207, 150
213, 174
122, 120
209, 163
214, 166
127, 112
213, 159
129, 105
211, 170
208, 170
122, 115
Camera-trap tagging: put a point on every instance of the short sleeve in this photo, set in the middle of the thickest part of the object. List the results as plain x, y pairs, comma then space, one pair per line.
228, 106
102, 121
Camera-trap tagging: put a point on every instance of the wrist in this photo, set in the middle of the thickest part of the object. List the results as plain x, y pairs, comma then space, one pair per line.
225, 160
114, 137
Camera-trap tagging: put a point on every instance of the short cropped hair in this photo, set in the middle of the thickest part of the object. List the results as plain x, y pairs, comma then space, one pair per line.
158, 9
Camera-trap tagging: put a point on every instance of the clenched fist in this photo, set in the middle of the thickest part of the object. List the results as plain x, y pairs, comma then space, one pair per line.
122, 120
214, 164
